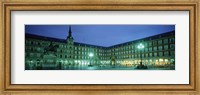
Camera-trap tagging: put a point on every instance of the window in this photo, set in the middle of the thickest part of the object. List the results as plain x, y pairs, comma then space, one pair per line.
142, 55
150, 49
166, 47
155, 54
172, 46
38, 55
172, 53
135, 51
150, 43
160, 48
166, 53
165, 41
150, 54
172, 40
155, 48
155, 43
160, 53
160, 42
146, 49
146, 55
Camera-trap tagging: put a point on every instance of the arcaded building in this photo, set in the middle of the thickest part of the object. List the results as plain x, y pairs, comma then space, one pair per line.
51, 53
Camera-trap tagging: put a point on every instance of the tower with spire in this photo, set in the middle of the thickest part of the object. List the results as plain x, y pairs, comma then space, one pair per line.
70, 39
70, 47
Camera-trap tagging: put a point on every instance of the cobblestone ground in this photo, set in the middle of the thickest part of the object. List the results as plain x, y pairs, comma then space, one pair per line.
115, 68
107, 67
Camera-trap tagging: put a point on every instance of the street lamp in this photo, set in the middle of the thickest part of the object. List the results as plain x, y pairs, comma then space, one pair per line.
91, 55
140, 47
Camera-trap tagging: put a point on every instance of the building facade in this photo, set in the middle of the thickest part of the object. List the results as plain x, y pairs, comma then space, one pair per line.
50, 53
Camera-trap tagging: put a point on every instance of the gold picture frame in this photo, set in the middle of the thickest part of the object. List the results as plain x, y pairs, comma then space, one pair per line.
96, 5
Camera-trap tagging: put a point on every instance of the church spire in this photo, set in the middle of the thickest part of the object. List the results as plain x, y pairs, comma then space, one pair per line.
69, 33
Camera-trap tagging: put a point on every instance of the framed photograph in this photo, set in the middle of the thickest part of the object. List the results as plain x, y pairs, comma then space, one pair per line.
100, 46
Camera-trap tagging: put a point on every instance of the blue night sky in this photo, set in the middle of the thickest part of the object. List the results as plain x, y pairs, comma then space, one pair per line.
101, 35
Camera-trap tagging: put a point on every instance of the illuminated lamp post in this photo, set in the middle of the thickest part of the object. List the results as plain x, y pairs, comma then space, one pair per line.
90, 55
141, 66
140, 47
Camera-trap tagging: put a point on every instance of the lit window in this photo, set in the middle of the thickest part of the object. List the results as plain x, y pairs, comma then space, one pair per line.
150, 49
160, 60
155, 48
146, 55
142, 55
150, 43
146, 49
160, 48
150, 54
166, 47
155, 54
